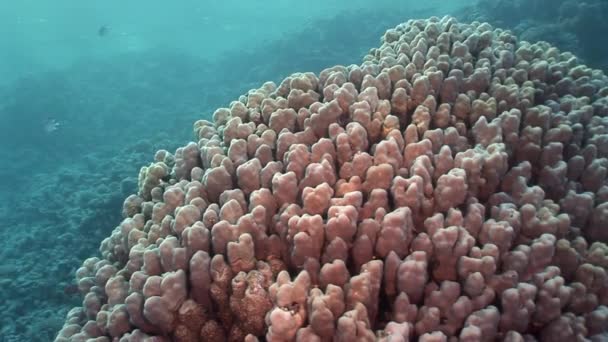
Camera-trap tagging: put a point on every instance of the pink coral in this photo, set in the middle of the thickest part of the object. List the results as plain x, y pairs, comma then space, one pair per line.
451, 187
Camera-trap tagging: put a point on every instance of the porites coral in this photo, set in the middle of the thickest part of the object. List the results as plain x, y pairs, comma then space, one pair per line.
453, 185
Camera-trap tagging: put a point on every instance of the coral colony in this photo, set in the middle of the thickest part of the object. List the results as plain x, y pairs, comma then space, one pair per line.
452, 187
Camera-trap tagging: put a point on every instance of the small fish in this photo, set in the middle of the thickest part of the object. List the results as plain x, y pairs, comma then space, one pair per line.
51, 125
103, 30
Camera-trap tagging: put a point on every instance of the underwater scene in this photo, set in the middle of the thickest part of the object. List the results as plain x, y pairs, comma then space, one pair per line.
283, 170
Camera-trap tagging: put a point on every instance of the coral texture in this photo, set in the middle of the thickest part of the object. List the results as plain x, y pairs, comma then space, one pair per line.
451, 187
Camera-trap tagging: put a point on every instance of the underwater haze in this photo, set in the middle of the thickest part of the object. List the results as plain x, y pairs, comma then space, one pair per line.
54, 35
91, 90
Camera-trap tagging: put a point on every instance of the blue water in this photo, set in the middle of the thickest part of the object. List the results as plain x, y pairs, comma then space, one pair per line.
81, 112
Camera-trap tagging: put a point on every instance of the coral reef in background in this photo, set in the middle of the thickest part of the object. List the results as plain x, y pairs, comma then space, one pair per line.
569, 24
452, 185
73, 205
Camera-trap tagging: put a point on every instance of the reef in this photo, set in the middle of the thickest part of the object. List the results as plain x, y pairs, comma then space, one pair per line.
569, 24
451, 187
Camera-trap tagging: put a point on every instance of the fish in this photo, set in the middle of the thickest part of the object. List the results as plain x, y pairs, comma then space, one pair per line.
51, 125
102, 30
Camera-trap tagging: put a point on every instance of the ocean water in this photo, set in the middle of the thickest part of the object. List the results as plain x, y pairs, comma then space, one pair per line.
89, 91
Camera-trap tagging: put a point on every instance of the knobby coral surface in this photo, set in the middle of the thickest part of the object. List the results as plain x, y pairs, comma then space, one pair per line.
452, 187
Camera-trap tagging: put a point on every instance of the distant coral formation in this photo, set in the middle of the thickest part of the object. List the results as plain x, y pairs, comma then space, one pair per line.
451, 187
570, 24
